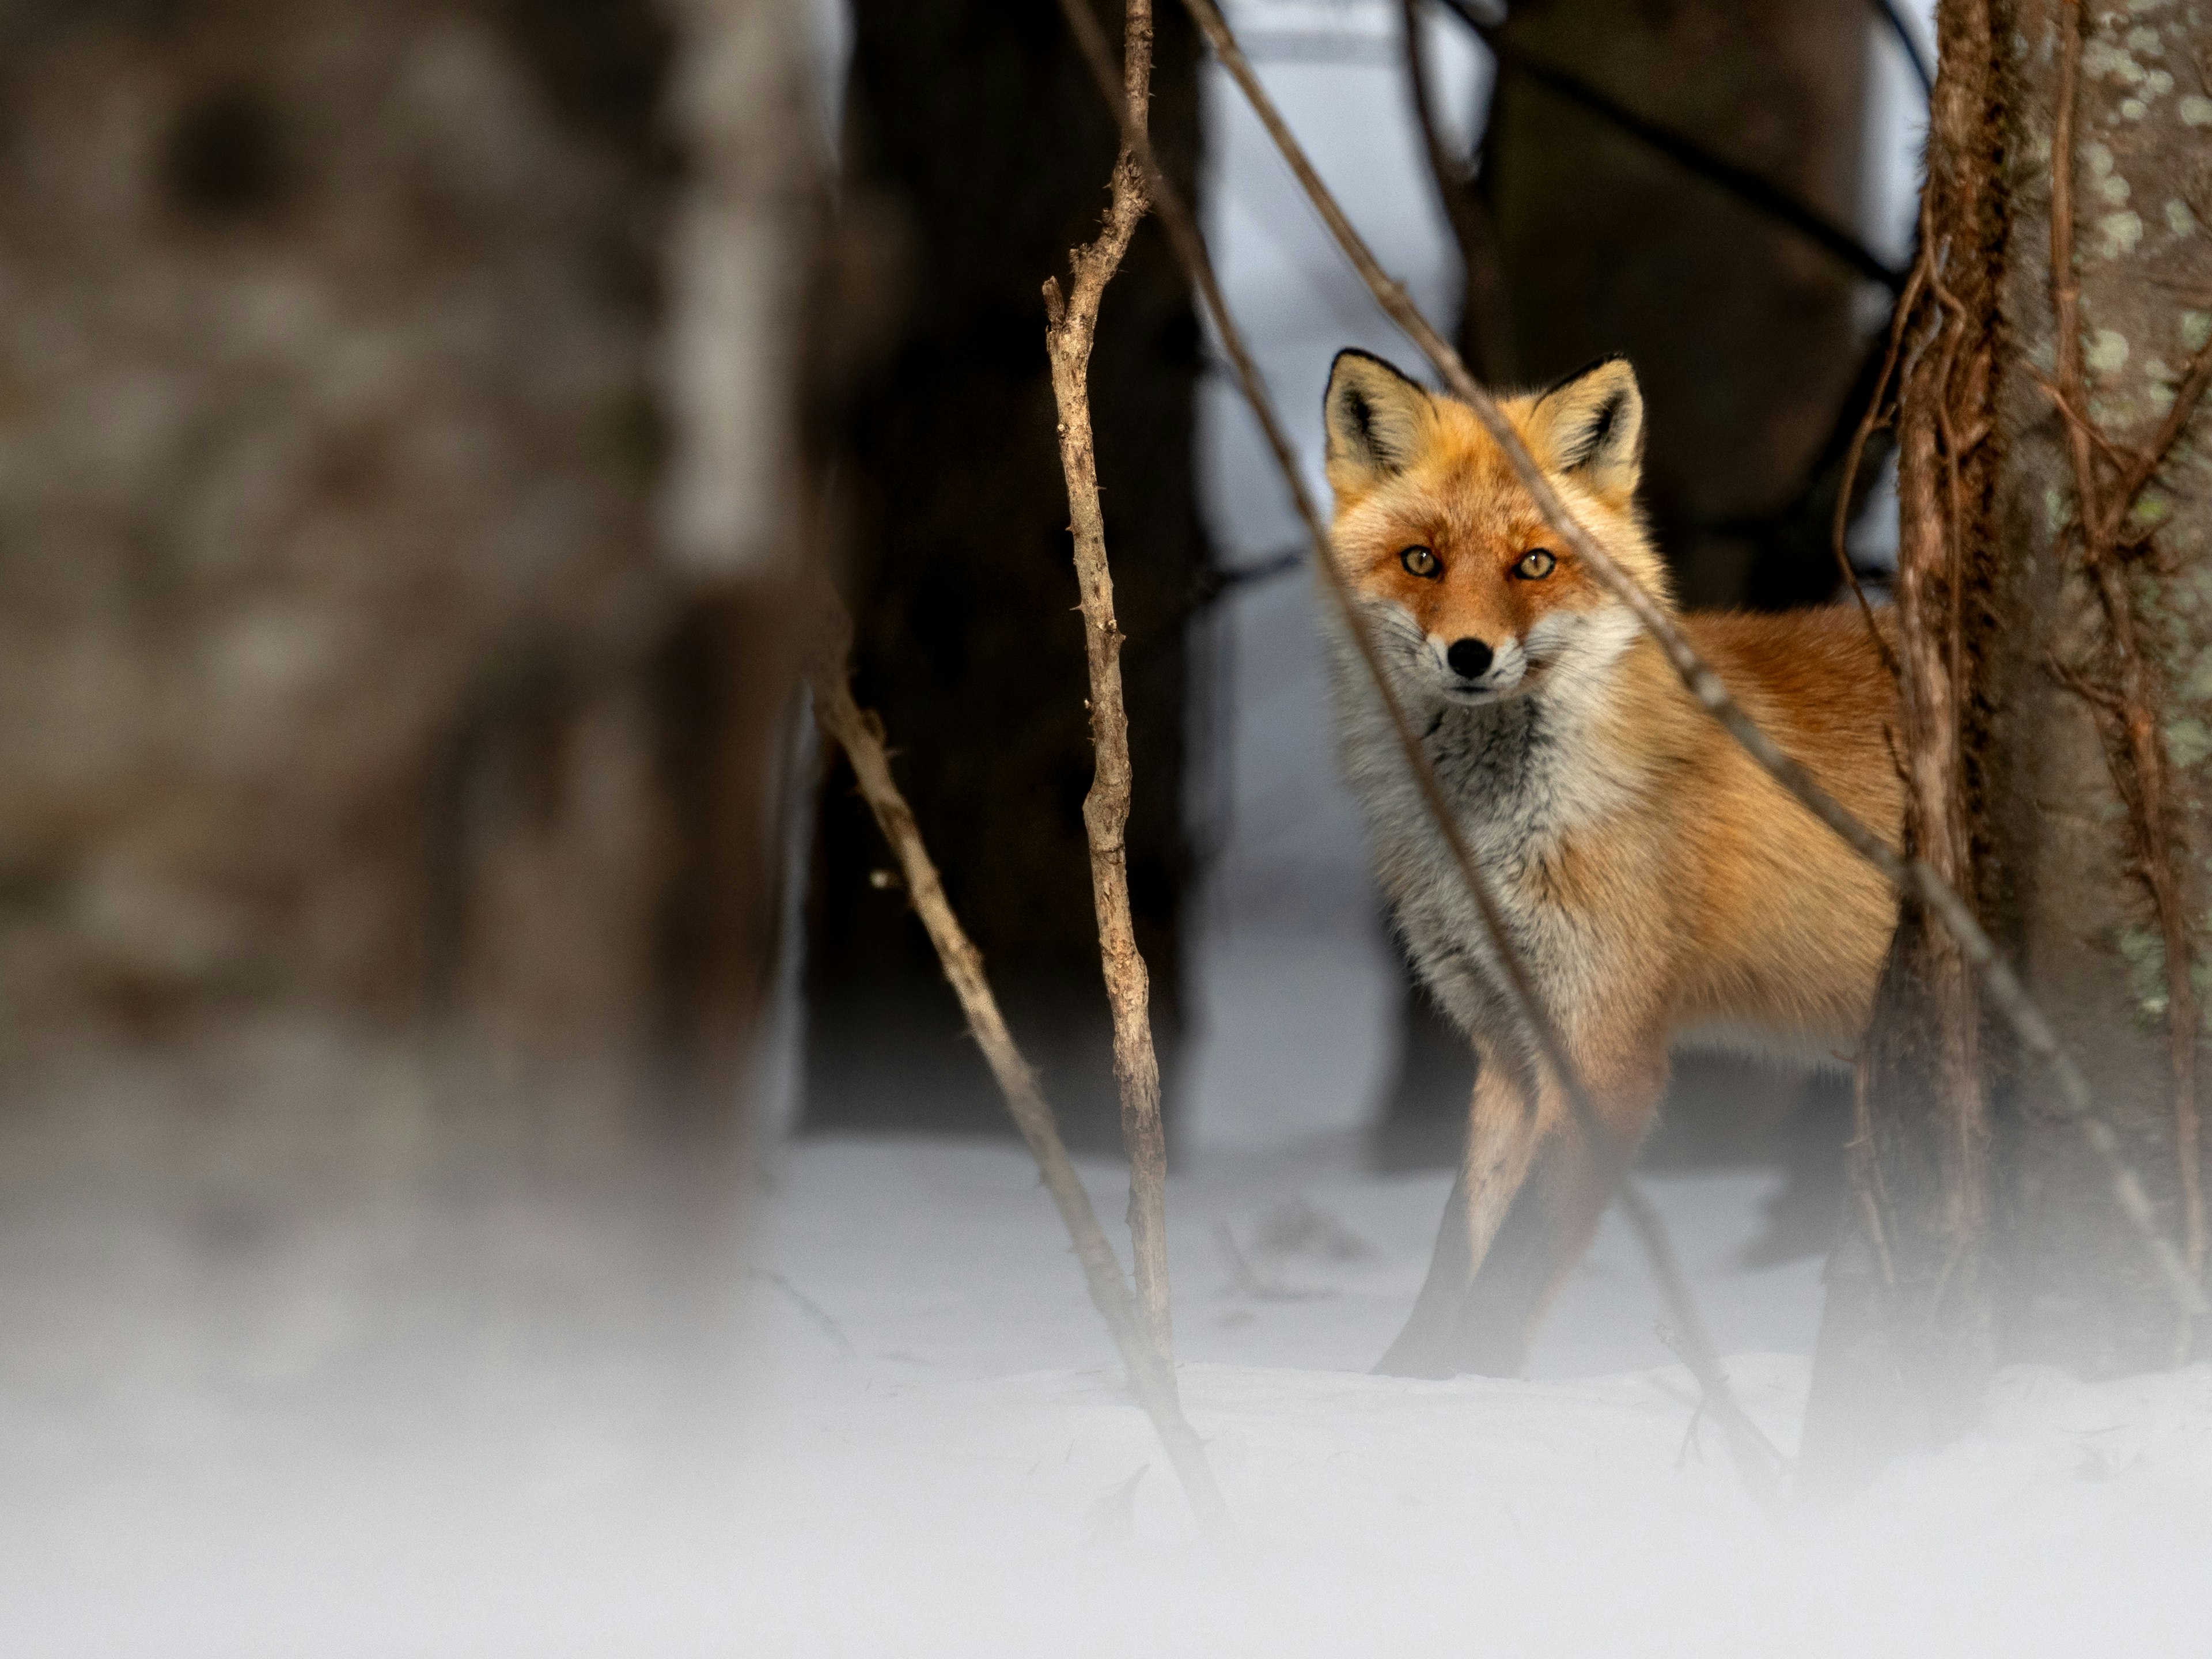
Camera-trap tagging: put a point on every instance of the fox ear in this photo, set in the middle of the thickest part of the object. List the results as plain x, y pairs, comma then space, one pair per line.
1591, 424
1374, 416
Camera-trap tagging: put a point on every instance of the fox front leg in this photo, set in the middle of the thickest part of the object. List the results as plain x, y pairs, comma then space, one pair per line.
1521, 1214
1502, 1137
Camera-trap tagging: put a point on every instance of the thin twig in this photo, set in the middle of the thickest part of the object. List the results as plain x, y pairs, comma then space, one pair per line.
2145, 784
1913, 875
1611, 1157
1899, 317
1072, 325
2111, 451
1151, 1376
1672, 1344
2186, 397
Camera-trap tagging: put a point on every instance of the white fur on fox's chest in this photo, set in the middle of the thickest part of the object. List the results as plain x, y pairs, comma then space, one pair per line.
1518, 792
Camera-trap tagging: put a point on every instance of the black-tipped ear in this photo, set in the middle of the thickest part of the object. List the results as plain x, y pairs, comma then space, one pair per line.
1375, 417
1592, 423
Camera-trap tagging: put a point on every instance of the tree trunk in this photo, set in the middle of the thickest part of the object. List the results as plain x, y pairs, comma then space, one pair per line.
1986, 1229
2076, 1285
977, 128
353, 671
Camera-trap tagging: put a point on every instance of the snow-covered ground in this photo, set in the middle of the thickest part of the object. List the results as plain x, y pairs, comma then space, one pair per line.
942, 1459
399, 1415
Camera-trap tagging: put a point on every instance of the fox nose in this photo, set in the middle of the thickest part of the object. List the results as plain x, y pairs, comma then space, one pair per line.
1469, 658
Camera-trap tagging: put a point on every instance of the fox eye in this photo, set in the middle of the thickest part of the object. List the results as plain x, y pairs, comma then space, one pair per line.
1536, 565
1419, 561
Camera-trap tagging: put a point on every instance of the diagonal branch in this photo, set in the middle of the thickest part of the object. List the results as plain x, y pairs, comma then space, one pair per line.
2028, 1023
1151, 1377
1697, 1344
1072, 325
2186, 397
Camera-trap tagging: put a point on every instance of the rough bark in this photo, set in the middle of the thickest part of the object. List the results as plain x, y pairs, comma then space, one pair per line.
1924, 1168
2036, 753
974, 124
2076, 1286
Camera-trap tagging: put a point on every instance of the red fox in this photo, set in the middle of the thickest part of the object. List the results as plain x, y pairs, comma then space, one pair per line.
1663, 890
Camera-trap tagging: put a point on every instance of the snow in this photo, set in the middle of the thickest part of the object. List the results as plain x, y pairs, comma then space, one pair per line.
942, 1457
400, 1416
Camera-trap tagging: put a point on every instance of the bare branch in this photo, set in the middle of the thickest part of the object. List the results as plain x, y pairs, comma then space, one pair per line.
1069, 332
2186, 397
1899, 319
1151, 1377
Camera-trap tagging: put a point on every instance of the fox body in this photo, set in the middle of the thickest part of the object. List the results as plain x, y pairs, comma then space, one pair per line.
1663, 890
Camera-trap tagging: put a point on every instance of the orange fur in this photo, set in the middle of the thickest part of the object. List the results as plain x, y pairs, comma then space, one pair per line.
1664, 890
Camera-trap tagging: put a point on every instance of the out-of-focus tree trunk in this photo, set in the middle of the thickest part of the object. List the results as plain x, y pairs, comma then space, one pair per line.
1986, 1230
398, 487
366, 654
977, 127
1742, 331
742, 350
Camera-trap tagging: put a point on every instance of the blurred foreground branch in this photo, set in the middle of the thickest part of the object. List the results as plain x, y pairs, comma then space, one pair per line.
1073, 324
1151, 1376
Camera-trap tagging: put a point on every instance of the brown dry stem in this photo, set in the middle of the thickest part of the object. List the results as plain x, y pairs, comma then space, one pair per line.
1912, 876
2129, 712
1874, 417
1072, 325
1943, 419
1151, 1376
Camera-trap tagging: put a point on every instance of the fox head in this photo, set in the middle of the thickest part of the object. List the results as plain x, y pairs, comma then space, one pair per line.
1471, 596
